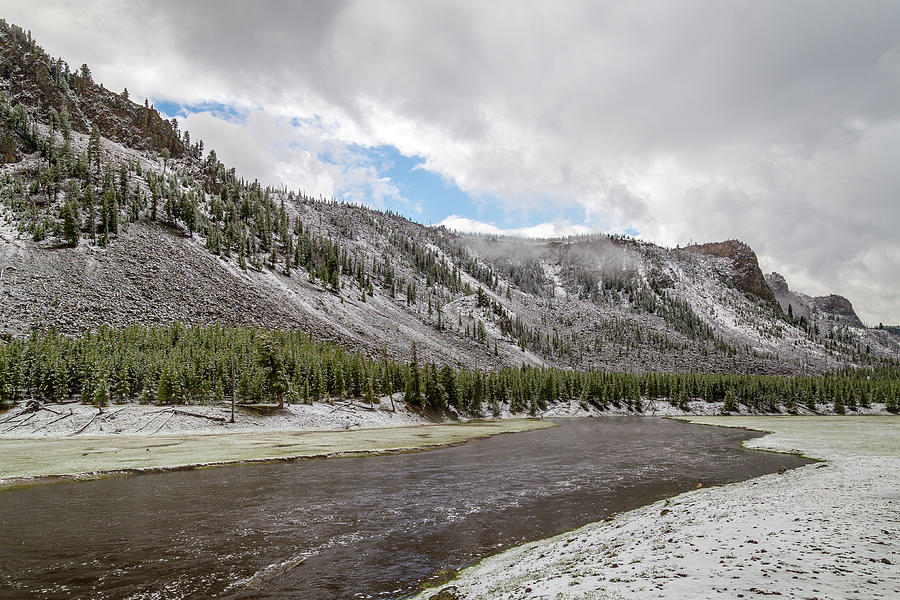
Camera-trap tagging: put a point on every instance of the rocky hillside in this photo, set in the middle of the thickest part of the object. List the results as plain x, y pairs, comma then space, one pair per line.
130, 222
72, 98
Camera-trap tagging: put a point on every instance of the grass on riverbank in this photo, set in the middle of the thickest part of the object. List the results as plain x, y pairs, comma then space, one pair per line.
31, 461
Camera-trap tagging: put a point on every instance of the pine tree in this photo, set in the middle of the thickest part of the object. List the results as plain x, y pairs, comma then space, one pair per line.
338, 374
60, 383
70, 225
242, 260
730, 404
477, 402
101, 392
413, 392
448, 381
839, 405
369, 389
146, 396
269, 359
123, 386
683, 398
5, 384
288, 255
434, 391
292, 394
321, 387
114, 216
164, 154
93, 149
164, 387
90, 212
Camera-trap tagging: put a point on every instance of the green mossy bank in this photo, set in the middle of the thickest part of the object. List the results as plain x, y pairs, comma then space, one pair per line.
32, 461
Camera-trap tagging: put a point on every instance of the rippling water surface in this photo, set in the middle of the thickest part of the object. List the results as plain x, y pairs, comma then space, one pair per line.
372, 527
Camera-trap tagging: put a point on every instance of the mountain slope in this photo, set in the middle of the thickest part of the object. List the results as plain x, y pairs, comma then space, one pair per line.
136, 224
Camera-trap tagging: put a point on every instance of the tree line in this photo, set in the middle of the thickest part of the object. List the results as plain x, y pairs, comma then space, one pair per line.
179, 364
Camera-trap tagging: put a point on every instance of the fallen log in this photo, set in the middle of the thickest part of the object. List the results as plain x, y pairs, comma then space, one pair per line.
20, 423
163, 424
11, 417
107, 415
150, 420
85, 426
53, 421
199, 416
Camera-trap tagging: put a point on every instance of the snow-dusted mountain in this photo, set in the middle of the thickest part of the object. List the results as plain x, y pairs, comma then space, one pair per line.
110, 216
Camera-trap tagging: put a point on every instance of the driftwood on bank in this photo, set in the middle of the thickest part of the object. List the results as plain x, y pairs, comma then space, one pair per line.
112, 413
20, 423
33, 407
10, 418
86, 425
176, 411
163, 424
48, 423
198, 415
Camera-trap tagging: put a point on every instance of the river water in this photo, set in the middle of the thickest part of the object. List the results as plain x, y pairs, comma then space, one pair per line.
373, 527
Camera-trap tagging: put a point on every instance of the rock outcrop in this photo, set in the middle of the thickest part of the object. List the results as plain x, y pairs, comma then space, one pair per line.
777, 284
746, 275
839, 307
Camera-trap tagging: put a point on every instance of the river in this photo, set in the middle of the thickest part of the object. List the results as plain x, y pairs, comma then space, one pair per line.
373, 527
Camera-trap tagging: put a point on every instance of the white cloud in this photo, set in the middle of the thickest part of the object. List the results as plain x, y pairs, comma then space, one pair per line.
277, 151
560, 228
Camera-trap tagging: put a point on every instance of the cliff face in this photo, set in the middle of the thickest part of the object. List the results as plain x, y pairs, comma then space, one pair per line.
746, 274
839, 307
32, 77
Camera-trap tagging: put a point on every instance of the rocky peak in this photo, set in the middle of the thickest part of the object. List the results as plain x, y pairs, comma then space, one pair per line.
777, 283
30, 76
746, 276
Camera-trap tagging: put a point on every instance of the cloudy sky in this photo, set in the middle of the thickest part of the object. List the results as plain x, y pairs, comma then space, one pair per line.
775, 122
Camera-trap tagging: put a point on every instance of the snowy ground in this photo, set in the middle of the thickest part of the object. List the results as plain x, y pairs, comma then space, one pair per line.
74, 419
827, 531
71, 419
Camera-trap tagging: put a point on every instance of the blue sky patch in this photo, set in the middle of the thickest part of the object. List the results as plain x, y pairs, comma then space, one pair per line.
440, 198
226, 112
421, 195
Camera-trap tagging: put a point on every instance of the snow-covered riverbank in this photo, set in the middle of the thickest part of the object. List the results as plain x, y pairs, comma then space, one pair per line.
827, 530
72, 419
